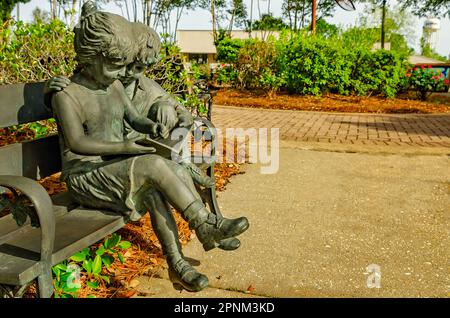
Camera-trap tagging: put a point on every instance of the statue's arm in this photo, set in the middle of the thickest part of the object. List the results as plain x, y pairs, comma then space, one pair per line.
53, 85
142, 123
184, 116
71, 123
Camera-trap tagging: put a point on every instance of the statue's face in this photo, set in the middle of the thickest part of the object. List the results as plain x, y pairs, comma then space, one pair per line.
133, 72
107, 71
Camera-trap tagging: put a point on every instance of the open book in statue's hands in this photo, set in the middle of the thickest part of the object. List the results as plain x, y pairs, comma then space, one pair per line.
168, 146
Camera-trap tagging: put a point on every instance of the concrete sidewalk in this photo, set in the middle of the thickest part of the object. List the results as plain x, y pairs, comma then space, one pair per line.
317, 224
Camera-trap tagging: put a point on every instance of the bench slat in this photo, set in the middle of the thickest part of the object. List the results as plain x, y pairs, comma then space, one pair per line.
75, 230
33, 159
22, 103
9, 229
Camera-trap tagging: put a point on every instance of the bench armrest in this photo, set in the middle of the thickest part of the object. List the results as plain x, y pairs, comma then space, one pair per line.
43, 205
212, 129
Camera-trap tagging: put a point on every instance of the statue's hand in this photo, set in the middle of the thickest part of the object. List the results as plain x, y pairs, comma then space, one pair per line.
161, 130
185, 120
130, 147
56, 84
167, 116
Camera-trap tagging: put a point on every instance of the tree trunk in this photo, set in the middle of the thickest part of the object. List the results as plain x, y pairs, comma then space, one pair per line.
289, 14
179, 12
53, 8
72, 14
383, 19
213, 16
295, 19
230, 26
313, 17
259, 11
149, 11
251, 18
135, 10
128, 10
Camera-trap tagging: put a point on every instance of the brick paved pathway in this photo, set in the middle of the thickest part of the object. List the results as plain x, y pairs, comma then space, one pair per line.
348, 128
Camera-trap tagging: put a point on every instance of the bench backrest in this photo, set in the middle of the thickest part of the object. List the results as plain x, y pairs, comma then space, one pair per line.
20, 104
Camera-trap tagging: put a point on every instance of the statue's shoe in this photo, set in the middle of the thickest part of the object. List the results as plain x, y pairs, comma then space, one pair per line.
229, 244
221, 232
184, 276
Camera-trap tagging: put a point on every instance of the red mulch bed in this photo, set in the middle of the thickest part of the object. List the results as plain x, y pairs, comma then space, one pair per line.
331, 102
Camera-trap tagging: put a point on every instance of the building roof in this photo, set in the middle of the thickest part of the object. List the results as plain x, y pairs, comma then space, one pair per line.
419, 59
202, 41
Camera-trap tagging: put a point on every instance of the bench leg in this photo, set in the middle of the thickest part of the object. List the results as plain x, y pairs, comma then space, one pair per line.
208, 195
212, 194
7, 291
45, 284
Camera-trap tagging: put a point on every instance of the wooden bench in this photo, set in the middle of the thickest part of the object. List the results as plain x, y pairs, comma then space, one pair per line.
28, 253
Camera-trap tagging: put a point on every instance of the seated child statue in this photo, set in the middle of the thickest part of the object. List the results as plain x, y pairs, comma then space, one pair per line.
104, 170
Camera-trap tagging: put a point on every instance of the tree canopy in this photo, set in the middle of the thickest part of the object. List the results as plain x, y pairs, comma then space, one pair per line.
422, 8
7, 6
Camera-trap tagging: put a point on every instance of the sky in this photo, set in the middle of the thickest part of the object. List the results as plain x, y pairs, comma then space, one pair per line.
201, 19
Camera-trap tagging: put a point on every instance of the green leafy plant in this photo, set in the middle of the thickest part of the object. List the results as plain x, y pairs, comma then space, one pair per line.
314, 65
89, 263
33, 52
224, 74
378, 72
228, 49
169, 71
271, 82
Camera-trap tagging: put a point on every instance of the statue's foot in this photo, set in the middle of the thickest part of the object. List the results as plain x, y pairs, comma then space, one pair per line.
184, 276
221, 232
198, 175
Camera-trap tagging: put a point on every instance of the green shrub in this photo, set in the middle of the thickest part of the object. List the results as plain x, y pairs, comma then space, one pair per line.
200, 71
378, 72
169, 71
316, 65
225, 74
313, 65
255, 58
35, 52
228, 50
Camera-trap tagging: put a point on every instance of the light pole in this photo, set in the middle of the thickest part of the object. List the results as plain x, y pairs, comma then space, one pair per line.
383, 21
347, 5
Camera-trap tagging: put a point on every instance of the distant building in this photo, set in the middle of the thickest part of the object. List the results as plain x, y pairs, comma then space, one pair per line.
419, 59
198, 45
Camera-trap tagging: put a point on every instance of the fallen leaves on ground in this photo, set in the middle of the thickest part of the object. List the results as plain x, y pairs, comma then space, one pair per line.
11, 136
329, 103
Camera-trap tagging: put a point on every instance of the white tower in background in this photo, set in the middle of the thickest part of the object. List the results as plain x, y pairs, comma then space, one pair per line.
430, 32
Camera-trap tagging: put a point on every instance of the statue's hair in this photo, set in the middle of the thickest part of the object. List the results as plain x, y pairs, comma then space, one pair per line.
101, 33
149, 43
